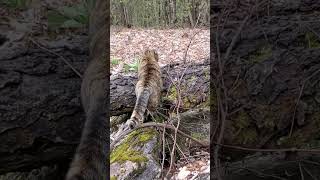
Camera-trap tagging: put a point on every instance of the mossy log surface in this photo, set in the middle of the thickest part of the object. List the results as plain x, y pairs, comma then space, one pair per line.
136, 156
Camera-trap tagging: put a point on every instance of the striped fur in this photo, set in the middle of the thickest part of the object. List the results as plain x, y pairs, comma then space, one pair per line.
148, 88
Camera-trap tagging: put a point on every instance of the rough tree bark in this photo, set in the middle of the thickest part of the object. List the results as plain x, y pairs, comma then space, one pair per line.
274, 60
271, 81
41, 116
272, 166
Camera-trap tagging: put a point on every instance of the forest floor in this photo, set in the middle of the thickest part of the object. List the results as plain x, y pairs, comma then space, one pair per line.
173, 45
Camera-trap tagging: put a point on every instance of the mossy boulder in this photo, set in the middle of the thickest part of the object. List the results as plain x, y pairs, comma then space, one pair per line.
135, 157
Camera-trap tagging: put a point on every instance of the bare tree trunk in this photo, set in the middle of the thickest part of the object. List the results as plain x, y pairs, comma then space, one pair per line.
190, 13
191, 19
172, 11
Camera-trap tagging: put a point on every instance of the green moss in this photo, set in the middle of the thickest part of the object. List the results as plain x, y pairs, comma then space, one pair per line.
124, 152
270, 120
192, 79
158, 118
269, 123
133, 67
261, 54
115, 62
113, 178
207, 74
295, 140
172, 93
197, 135
243, 120
305, 137
313, 144
146, 136
311, 40
247, 136
186, 102
16, 4
205, 104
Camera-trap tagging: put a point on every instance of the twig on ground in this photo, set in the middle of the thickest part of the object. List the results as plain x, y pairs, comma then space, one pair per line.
163, 150
186, 52
301, 172
178, 147
299, 97
194, 156
261, 174
311, 162
235, 38
295, 109
222, 107
310, 174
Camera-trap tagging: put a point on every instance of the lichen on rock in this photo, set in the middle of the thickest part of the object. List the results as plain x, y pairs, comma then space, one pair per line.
134, 157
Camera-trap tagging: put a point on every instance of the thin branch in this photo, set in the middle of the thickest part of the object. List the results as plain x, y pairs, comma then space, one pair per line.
261, 174
269, 150
310, 174
54, 53
295, 109
222, 108
301, 172
298, 100
235, 37
312, 162
178, 115
179, 148
190, 41
163, 149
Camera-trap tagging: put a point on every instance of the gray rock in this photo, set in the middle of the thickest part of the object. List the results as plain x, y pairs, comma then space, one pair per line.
136, 156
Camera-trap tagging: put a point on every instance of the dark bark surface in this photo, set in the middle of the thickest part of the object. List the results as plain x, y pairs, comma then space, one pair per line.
271, 167
271, 77
40, 110
272, 72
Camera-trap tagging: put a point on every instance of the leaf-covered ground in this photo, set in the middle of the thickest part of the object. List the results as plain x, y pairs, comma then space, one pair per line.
194, 166
172, 45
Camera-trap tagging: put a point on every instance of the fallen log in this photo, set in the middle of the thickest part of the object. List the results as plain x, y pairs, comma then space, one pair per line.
271, 166
41, 116
40, 111
194, 87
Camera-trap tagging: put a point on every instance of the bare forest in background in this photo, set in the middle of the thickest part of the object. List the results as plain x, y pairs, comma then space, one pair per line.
160, 13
